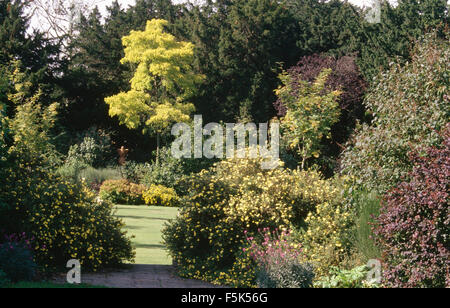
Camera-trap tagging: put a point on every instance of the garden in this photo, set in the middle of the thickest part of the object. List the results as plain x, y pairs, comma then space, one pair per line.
357, 195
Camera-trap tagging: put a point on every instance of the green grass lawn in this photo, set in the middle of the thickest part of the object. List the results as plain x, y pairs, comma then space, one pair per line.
146, 224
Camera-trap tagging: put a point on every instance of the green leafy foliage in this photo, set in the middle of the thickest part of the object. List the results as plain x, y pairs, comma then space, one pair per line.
3, 135
344, 77
17, 260
354, 278
64, 219
235, 49
72, 171
34, 52
240, 47
409, 105
4, 280
95, 54
327, 238
367, 206
391, 39
86, 152
310, 114
167, 171
77, 169
94, 149
340, 28
134, 171
32, 123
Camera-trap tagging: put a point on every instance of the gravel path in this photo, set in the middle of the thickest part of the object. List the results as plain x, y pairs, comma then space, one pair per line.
140, 276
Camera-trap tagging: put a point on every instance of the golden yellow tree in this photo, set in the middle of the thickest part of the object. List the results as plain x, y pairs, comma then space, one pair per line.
163, 81
311, 112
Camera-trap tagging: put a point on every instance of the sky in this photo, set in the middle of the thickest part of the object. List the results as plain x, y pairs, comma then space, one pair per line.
123, 4
40, 23
126, 3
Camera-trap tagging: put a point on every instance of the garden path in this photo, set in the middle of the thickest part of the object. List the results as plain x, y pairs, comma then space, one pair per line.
140, 276
154, 269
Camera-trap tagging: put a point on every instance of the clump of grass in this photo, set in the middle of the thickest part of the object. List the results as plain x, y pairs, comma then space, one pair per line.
368, 206
78, 171
92, 175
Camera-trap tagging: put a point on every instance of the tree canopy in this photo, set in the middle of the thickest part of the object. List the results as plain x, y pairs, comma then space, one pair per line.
163, 80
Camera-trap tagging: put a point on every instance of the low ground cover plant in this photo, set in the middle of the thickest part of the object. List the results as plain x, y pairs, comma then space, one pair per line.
4, 280
278, 261
122, 192
17, 259
341, 278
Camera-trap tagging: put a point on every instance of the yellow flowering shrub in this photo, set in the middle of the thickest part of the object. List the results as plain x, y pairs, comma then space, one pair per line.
293, 193
159, 195
327, 238
122, 192
65, 220
207, 239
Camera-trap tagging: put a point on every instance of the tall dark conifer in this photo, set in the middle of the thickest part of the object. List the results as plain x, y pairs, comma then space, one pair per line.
29, 50
239, 45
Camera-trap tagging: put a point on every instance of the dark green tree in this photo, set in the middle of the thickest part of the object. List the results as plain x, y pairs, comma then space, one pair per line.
325, 26
239, 45
94, 70
380, 44
35, 54
149, 9
339, 28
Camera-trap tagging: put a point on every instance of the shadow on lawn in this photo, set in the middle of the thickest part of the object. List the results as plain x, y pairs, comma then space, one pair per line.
135, 227
142, 217
150, 246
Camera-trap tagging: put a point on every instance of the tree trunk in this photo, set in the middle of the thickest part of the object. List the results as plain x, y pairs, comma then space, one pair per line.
158, 144
302, 151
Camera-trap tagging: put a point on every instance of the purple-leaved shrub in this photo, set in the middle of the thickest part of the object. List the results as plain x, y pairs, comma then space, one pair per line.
414, 226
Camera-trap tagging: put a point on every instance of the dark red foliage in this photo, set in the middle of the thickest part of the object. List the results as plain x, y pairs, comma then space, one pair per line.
414, 226
345, 76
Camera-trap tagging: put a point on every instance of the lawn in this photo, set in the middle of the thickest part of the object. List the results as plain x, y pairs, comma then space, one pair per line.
146, 223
